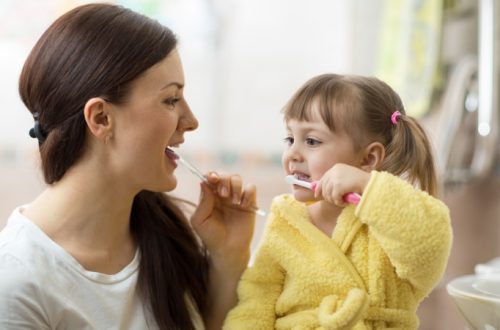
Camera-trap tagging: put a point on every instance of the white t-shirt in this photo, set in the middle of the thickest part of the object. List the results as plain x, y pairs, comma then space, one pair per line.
44, 287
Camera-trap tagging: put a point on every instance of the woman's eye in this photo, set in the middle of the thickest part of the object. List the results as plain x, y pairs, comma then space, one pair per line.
312, 142
288, 140
171, 102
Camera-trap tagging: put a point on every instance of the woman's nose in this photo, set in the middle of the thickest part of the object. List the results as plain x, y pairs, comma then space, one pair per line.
188, 121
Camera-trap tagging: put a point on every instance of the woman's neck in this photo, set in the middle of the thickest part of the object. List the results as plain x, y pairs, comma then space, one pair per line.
89, 218
324, 216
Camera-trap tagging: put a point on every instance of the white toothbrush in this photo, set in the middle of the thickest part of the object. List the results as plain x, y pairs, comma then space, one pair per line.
290, 179
200, 175
351, 198
192, 169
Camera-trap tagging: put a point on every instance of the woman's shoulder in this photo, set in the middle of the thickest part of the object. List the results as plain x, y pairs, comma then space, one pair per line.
21, 291
22, 254
17, 276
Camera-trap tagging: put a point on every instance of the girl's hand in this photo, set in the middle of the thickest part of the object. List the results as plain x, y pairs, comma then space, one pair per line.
340, 180
224, 220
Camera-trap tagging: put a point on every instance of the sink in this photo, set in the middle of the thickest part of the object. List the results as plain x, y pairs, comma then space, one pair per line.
488, 285
478, 299
490, 267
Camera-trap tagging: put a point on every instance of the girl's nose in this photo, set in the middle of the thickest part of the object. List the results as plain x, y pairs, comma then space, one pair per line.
293, 153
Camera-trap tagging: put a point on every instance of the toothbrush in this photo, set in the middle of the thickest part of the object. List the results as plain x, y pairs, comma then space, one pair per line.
351, 198
200, 175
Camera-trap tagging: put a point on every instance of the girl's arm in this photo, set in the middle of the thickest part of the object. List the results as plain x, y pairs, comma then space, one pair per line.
412, 227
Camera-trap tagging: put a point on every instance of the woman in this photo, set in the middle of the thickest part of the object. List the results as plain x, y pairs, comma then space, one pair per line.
103, 247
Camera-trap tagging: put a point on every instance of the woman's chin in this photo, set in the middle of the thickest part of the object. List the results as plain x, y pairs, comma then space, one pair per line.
166, 185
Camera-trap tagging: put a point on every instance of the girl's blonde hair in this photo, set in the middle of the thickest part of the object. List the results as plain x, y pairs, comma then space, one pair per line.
361, 107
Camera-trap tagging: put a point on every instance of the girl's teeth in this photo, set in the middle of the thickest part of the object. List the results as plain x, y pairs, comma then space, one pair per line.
302, 177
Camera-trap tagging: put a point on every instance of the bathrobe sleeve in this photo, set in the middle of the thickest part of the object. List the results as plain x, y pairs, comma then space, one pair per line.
259, 288
412, 227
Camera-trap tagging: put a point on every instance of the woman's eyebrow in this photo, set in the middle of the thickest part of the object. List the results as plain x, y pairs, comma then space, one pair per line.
174, 83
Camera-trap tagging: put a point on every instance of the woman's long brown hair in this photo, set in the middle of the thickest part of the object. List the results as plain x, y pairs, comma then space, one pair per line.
98, 50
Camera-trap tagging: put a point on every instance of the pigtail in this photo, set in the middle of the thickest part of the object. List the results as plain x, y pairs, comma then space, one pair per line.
409, 154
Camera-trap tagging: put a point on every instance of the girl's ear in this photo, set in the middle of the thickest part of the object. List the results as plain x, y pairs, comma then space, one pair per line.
373, 155
98, 117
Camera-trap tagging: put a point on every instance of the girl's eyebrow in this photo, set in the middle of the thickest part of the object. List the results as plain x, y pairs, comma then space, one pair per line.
306, 127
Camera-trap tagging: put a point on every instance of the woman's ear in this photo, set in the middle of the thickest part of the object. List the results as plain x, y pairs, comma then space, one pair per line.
98, 117
373, 155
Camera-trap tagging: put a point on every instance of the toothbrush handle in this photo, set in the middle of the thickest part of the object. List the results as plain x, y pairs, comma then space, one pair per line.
258, 211
351, 198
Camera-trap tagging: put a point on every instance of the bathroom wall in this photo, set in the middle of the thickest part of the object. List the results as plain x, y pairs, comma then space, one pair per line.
242, 60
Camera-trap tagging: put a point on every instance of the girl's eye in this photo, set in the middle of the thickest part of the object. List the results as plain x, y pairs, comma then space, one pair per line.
288, 140
312, 142
171, 102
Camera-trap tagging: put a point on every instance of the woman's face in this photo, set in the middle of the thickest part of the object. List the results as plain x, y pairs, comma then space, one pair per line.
151, 121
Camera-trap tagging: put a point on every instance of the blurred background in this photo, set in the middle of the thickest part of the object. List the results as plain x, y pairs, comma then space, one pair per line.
244, 59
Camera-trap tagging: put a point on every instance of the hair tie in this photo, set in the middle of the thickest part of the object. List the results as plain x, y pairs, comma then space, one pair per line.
394, 117
36, 132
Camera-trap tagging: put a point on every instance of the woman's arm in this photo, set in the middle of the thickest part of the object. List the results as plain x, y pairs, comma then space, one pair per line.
222, 295
225, 225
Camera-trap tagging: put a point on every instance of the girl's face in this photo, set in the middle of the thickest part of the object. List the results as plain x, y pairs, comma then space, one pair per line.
151, 122
312, 149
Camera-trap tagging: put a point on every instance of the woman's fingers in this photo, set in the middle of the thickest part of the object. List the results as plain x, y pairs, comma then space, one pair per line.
227, 186
236, 185
248, 196
205, 205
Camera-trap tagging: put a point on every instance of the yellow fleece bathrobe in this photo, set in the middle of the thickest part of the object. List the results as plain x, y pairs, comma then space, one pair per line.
385, 255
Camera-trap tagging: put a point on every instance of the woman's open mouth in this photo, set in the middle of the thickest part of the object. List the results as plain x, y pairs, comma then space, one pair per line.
171, 155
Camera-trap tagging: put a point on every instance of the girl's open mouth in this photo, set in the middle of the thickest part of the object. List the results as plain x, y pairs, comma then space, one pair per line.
302, 176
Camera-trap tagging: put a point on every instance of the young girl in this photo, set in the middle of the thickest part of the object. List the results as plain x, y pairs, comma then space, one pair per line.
326, 264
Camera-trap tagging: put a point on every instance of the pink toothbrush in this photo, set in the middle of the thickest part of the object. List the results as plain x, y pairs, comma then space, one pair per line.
351, 198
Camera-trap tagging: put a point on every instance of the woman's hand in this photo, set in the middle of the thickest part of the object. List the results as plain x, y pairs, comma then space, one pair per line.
224, 220
225, 223
340, 180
